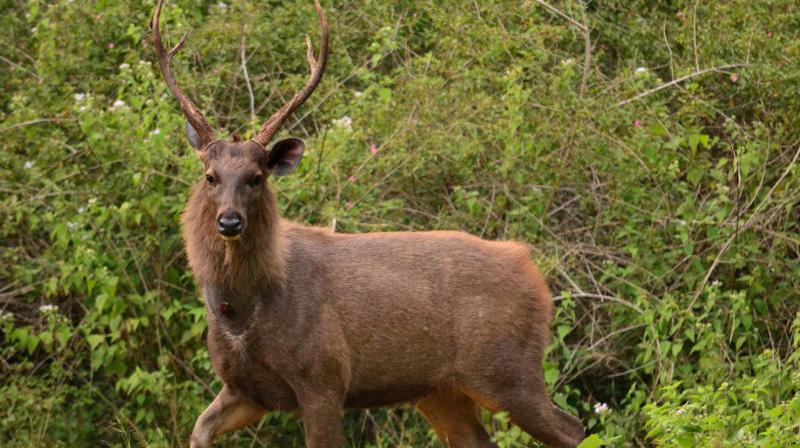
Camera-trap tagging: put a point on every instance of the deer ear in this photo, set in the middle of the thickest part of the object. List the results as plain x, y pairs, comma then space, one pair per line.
196, 141
193, 136
285, 156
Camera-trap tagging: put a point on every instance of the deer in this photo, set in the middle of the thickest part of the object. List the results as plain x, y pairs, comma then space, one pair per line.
312, 322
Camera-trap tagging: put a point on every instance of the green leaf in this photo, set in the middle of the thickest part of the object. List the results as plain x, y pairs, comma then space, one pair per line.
31, 342
47, 339
593, 441
695, 174
33, 10
94, 340
385, 94
63, 335
775, 412
551, 374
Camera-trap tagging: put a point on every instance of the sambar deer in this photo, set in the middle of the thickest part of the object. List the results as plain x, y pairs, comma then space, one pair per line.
310, 321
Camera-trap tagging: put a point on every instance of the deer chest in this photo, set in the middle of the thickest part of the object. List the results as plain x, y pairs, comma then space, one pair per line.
242, 362
232, 310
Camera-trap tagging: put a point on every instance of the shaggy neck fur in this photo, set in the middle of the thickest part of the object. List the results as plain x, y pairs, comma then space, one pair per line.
250, 263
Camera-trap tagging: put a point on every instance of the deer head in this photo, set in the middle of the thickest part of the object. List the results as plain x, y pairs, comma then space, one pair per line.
236, 171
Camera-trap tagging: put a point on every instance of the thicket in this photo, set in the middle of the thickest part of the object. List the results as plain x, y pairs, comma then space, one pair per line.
647, 149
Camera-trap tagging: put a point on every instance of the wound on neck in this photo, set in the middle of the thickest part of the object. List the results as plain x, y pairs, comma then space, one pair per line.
226, 309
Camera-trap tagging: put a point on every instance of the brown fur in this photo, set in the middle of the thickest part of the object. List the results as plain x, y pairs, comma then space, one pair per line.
321, 321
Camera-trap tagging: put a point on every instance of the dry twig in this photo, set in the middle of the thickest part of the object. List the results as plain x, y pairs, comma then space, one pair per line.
678, 81
243, 49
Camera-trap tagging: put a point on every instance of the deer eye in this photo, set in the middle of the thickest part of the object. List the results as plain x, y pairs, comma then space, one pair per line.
255, 180
210, 179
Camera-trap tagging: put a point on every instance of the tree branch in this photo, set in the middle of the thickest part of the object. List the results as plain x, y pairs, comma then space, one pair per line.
587, 42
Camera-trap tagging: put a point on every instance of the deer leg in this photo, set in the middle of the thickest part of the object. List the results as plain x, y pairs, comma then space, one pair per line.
530, 408
456, 420
547, 423
322, 420
228, 412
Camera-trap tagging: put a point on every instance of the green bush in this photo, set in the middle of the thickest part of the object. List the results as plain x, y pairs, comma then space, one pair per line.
666, 219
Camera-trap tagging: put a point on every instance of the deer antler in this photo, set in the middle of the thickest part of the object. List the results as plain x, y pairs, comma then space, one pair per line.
193, 114
274, 122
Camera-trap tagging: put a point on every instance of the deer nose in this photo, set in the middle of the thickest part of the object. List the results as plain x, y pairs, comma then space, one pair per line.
229, 224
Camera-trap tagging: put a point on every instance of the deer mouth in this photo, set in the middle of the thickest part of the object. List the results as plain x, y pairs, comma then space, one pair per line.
230, 234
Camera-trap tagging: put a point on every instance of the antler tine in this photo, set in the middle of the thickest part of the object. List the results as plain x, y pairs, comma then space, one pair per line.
192, 113
317, 66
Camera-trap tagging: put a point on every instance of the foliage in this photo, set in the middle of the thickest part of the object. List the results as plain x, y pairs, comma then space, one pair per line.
668, 226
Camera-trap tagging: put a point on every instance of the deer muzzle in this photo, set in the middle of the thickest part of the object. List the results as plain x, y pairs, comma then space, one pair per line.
230, 225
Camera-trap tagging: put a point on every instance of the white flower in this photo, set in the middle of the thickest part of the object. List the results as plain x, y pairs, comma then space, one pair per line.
124, 66
48, 308
716, 283
28, 164
72, 225
33, 30
344, 122
118, 104
6, 315
680, 411
357, 93
222, 5
81, 210
155, 131
599, 408
79, 96
640, 70
83, 108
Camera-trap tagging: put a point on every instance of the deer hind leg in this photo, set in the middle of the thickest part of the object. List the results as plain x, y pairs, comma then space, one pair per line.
456, 420
228, 412
530, 408
544, 421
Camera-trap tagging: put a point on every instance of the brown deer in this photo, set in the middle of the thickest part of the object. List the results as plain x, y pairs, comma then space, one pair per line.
304, 320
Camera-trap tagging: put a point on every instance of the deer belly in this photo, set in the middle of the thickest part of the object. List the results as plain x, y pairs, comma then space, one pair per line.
386, 396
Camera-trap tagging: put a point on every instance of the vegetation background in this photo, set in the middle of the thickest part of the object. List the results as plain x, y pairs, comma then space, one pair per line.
648, 149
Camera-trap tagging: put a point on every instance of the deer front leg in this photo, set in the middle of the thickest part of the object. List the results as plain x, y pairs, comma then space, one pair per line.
228, 412
322, 420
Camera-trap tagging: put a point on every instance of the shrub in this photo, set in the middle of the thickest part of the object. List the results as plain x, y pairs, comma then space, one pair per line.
667, 225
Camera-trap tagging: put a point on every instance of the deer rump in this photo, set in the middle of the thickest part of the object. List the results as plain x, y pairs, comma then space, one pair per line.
387, 318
